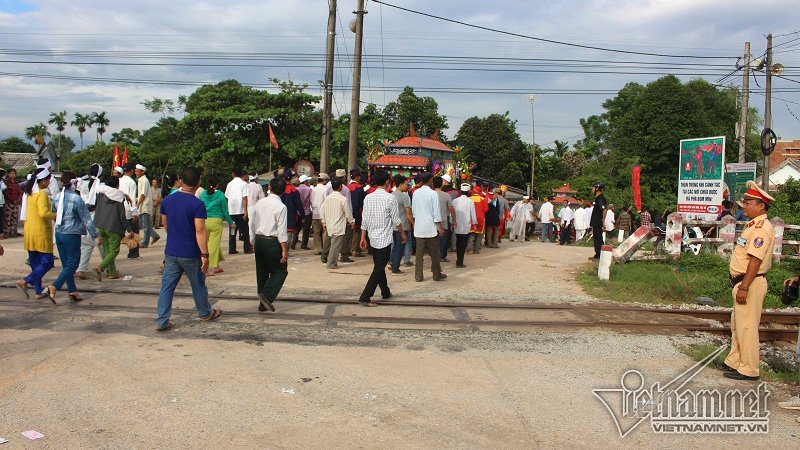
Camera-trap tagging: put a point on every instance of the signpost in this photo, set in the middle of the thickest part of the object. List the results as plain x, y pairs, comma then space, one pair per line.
736, 177
700, 178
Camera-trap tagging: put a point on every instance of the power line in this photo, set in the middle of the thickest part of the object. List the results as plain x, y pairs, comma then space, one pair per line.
550, 41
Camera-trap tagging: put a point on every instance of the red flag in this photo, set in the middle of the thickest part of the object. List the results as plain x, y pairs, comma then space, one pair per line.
116, 157
637, 192
272, 137
125, 156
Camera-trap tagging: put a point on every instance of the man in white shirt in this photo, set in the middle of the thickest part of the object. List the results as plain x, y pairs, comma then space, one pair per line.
464, 209
128, 187
379, 217
427, 227
237, 193
145, 204
336, 217
567, 216
318, 194
270, 237
254, 193
547, 218
580, 222
608, 223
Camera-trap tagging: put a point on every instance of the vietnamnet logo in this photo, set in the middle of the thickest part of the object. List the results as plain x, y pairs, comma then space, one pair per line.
674, 409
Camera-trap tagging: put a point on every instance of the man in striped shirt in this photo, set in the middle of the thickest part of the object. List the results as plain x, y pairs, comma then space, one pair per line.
380, 217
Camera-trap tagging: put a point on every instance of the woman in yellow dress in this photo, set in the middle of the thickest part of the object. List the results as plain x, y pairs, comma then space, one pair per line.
38, 233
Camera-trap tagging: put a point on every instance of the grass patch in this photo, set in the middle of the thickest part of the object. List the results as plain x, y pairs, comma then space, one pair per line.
679, 281
782, 372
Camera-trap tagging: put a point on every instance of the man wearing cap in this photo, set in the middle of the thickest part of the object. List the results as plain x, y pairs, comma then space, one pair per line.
751, 259
336, 217
318, 194
128, 187
294, 207
305, 198
341, 174
597, 217
145, 205
464, 209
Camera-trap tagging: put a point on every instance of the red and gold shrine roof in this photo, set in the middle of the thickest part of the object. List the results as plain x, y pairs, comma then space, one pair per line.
421, 142
401, 161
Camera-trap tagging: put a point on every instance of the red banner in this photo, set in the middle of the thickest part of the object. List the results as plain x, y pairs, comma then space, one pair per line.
272, 139
637, 192
125, 156
116, 157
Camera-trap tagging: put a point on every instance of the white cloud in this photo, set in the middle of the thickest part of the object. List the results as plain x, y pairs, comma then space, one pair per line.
705, 27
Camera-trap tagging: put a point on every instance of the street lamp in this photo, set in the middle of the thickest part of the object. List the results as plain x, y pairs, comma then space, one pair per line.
531, 99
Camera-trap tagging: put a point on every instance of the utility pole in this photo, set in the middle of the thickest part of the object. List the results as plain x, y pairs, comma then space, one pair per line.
324, 156
745, 103
352, 154
767, 108
531, 99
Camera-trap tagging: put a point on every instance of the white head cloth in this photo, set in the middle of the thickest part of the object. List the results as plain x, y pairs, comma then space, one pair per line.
141, 167
93, 190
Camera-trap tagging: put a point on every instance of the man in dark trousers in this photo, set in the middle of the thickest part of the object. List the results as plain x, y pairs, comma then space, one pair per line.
269, 235
596, 221
381, 217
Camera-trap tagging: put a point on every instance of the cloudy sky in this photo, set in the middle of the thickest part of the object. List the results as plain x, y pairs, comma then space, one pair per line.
111, 55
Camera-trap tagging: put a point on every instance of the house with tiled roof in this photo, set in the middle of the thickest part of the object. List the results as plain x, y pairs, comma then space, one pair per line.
18, 161
413, 154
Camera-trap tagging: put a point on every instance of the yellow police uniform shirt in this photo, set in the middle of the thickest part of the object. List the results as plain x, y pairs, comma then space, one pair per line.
757, 240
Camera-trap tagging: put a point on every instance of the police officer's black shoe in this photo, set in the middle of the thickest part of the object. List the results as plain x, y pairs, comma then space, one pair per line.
738, 376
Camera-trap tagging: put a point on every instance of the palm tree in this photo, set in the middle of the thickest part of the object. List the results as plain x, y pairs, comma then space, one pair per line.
102, 122
81, 122
561, 148
59, 119
37, 133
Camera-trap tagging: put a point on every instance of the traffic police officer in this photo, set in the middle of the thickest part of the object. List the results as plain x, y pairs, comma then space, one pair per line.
752, 258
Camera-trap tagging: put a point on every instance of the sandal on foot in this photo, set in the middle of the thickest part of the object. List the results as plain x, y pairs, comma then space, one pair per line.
218, 270
98, 273
215, 313
51, 294
23, 287
166, 327
41, 296
74, 297
371, 304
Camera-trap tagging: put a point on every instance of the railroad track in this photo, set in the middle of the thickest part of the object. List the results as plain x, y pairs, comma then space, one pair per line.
474, 316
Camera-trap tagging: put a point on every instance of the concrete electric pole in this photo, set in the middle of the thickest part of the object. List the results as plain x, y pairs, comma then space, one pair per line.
767, 108
352, 154
324, 156
531, 99
745, 103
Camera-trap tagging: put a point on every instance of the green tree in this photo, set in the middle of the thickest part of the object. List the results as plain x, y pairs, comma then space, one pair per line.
226, 124
81, 122
420, 112
37, 133
643, 126
14, 144
495, 147
101, 121
59, 119
127, 136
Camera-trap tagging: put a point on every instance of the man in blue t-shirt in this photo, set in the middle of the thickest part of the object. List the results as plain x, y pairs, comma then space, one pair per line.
184, 219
